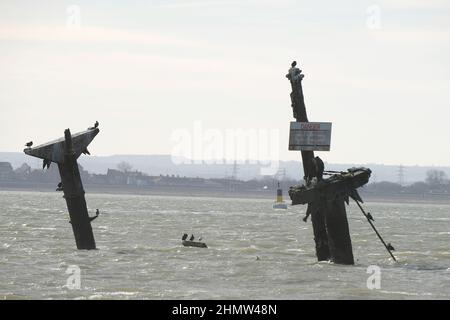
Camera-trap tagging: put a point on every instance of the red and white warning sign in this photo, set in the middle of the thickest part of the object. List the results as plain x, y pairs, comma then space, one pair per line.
310, 136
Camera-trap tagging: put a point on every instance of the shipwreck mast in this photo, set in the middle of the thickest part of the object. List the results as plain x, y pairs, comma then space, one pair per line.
325, 198
295, 76
65, 152
329, 218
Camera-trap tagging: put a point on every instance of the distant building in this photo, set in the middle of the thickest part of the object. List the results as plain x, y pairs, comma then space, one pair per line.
5, 167
134, 178
138, 179
116, 177
45, 175
24, 169
6, 171
98, 179
23, 172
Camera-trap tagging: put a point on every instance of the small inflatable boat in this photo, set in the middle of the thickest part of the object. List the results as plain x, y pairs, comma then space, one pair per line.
188, 243
191, 243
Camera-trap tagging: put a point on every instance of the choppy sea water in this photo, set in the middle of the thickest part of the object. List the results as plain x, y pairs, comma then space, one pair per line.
140, 255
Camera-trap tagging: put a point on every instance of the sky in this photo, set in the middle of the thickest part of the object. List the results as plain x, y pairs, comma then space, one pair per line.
191, 78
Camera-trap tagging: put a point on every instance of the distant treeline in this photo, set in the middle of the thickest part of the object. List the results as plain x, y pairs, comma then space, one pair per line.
435, 182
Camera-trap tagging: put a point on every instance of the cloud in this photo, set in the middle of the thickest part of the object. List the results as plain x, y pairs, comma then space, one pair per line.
220, 3
413, 36
87, 34
197, 4
414, 4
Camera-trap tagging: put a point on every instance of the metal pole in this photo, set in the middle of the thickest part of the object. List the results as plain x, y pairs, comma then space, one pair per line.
74, 195
375, 229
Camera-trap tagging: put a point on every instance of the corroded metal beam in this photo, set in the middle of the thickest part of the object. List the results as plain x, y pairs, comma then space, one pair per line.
295, 77
341, 185
54, 150
325, 198
65, 152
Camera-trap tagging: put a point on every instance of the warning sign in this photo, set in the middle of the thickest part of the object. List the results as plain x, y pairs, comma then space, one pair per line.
310, 136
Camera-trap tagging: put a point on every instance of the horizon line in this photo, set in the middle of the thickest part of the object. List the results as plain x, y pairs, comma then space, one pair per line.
246, 161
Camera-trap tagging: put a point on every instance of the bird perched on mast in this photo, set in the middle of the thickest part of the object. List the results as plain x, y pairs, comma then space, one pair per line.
95, 126
46, 163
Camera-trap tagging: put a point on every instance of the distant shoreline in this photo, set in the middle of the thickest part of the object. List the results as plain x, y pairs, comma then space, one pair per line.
217, 193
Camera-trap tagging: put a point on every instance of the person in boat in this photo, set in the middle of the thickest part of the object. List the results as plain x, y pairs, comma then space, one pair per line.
184, 237
191, 238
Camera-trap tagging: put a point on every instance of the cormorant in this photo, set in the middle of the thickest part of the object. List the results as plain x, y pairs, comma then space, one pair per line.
390, 247
29, 144
94, 217
319, 168
94, 127
46, 163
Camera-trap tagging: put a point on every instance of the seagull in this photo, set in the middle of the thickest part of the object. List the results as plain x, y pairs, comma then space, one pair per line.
29, 144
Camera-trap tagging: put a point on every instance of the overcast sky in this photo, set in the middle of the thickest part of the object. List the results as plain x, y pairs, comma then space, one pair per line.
379, 70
